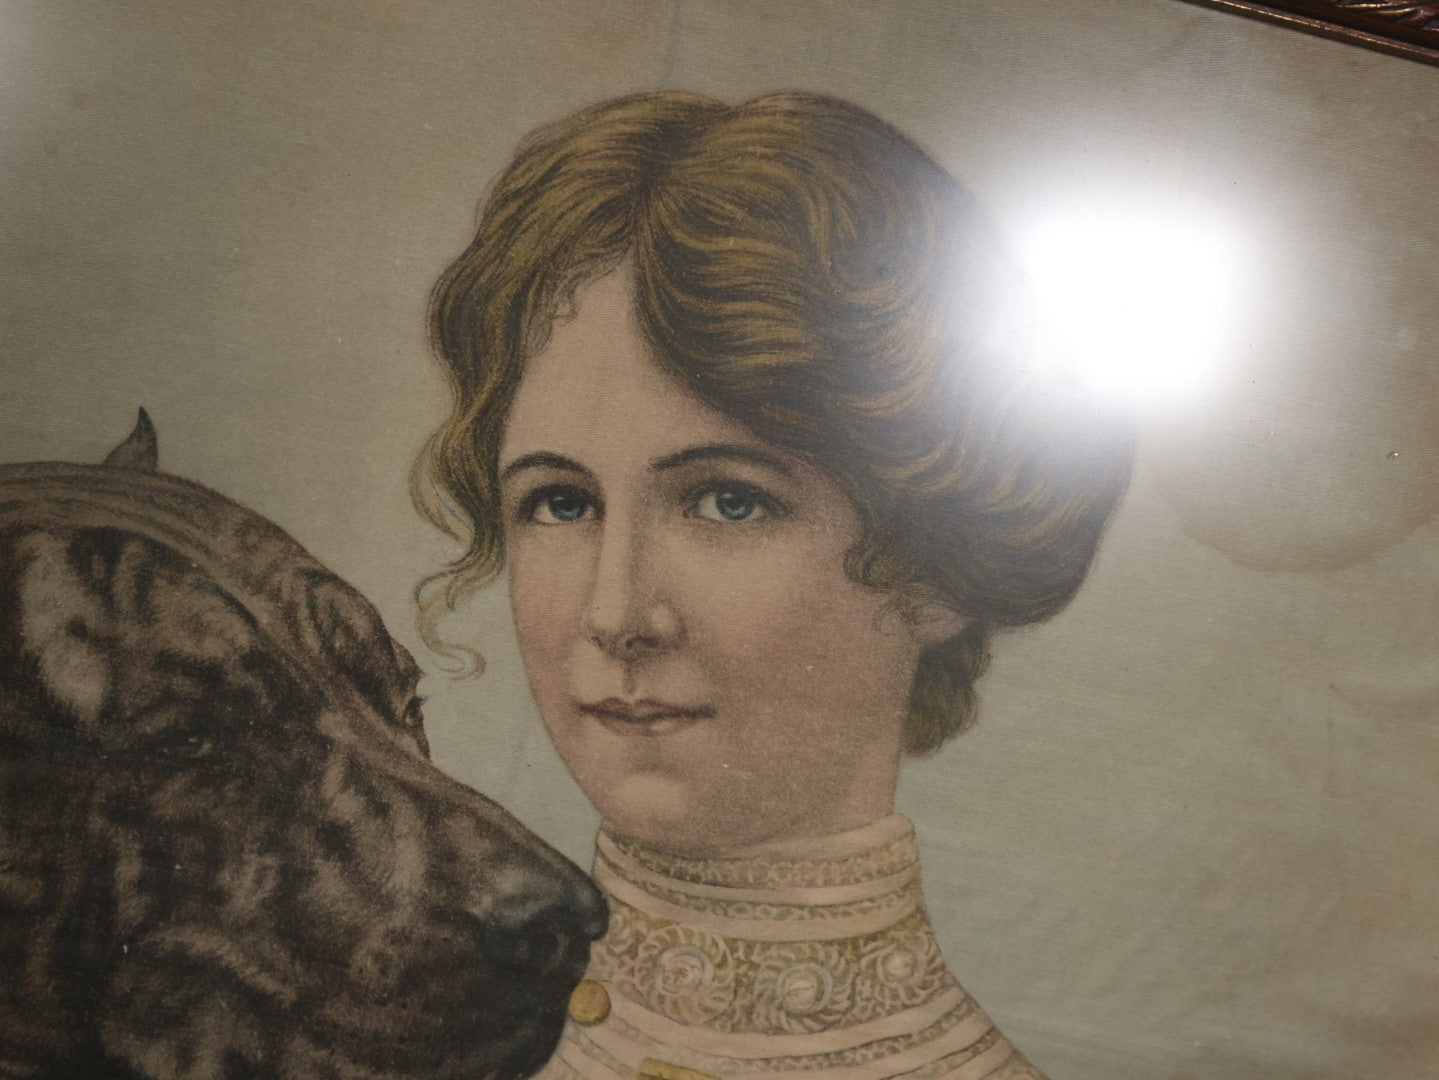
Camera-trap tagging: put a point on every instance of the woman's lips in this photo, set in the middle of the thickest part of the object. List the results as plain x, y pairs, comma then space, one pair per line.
645, 717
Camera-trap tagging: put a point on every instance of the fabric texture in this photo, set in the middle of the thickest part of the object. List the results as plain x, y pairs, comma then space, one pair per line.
812, 958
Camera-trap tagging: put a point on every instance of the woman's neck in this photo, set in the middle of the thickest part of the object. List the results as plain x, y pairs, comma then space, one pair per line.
801, 955
872, 833
851, 812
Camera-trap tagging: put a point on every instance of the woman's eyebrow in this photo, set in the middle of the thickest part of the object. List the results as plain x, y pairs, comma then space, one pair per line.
542, 459
724, 452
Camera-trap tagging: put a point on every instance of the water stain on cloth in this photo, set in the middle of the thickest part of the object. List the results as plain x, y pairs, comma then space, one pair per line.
1308, 469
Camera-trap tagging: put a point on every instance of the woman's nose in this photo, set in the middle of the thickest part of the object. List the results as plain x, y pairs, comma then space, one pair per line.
629, 616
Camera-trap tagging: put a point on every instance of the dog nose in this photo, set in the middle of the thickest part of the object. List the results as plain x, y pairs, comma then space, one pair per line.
591, 909
550, 937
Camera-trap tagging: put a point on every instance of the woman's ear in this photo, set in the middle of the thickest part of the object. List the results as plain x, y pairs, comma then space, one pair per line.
931, 620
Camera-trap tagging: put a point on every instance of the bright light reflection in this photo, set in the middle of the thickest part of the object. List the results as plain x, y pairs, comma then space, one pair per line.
1134, 305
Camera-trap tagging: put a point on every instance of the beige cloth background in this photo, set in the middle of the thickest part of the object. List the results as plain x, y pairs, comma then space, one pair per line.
1194, 835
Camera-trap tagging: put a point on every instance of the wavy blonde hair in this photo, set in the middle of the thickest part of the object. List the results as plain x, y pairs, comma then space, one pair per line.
807, 269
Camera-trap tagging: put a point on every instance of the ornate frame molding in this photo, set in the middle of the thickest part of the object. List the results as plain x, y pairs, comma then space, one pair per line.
1393, 26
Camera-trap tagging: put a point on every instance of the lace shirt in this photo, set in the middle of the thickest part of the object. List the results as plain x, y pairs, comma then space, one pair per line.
815, 958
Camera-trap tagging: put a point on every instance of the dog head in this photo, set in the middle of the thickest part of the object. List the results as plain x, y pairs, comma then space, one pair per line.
223, 851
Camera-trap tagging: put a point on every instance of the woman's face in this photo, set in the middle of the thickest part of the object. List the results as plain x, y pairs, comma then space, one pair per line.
702, 662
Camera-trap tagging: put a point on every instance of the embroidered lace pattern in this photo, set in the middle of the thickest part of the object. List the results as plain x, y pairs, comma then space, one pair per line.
695, 977
792, 961
780, 871
867, 1054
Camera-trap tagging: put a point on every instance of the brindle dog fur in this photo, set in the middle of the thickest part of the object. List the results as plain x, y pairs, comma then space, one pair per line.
223, 849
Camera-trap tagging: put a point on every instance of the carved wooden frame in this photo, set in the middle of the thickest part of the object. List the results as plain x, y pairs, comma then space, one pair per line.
1393, 26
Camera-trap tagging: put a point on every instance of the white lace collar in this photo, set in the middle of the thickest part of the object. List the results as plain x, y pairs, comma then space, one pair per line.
813, 957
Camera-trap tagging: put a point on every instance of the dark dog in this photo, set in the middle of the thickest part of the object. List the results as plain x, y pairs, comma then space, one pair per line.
223, 851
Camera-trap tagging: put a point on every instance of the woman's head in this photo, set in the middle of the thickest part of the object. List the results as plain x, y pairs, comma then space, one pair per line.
702, 661
807, 271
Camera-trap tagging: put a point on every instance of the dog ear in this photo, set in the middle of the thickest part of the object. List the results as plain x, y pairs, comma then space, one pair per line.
340, 624
52, 603
76, 597
139, 451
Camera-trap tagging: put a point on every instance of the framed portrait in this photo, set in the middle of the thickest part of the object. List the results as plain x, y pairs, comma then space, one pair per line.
896, 507
1410, 30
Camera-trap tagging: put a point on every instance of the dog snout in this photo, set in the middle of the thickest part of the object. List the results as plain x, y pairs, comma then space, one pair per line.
535, 949
514, 879
529, 908
591, 914
544, 935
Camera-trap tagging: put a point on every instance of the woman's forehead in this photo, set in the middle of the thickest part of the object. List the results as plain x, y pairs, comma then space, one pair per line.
595, 389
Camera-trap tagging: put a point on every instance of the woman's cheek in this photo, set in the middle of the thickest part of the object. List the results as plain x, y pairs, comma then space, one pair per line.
744, 621
546, 604
773, 638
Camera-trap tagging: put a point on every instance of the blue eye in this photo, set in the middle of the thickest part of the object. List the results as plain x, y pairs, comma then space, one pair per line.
558, 506
732, 504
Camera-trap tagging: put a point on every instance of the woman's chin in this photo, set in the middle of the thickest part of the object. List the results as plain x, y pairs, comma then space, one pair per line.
653, 809
661, 812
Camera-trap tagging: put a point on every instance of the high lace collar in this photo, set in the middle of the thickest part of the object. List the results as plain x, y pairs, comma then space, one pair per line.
869, 853
813, 956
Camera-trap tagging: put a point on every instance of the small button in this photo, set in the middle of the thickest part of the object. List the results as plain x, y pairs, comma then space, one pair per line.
654, 1069
589, 1003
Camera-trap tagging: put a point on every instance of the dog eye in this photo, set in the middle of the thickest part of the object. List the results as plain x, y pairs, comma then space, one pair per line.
171, 726
196, 746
